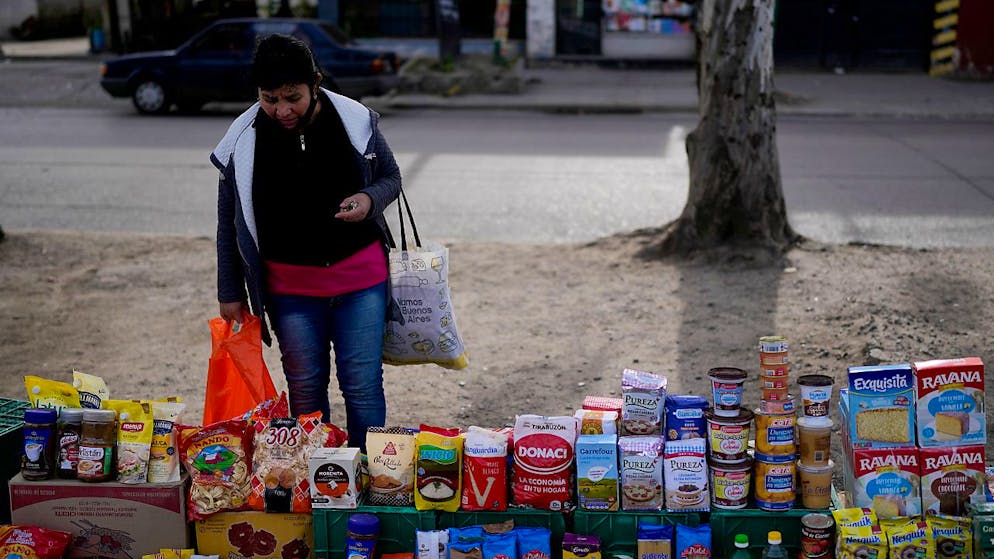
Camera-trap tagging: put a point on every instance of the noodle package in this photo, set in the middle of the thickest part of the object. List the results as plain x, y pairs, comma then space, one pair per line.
217, 459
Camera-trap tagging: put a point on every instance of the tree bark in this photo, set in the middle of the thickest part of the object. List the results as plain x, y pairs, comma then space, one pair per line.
735, 197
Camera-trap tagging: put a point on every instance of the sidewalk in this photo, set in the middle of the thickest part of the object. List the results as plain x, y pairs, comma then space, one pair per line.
591, 88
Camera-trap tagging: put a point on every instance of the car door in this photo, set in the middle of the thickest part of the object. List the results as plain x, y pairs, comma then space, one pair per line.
215, 65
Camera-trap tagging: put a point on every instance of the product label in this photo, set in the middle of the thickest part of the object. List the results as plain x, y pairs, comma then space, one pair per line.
36, 443
95, 461
68, 450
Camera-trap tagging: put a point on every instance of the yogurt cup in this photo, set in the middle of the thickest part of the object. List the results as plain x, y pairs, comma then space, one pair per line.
815, 441
816, 393
815, 485
728, 437
730, 483
726, 390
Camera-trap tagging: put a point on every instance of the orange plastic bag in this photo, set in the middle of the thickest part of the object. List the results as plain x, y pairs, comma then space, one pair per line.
237, 379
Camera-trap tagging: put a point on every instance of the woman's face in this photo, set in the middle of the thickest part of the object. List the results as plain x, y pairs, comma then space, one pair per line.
287, 104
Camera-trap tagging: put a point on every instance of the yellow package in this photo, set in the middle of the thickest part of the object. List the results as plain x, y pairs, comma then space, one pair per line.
170, 399
890, 524
910, 541
952, 536
44, 393
855, 517
134, 439
163, 461
176, 553
92, 389
861, 542
438, 470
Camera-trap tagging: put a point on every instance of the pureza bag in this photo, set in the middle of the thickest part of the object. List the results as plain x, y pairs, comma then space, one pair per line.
422, 323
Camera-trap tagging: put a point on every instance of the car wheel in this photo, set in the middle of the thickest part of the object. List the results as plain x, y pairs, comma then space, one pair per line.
150, 97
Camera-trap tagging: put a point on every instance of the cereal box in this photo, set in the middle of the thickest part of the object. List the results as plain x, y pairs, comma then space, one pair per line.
881, 406
952, 479
886, 480
950, 394
597, 472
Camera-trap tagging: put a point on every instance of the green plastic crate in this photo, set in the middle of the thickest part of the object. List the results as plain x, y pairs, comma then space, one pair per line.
756, 523
398, 528
13, 408
11, 441
554, 521
618, 530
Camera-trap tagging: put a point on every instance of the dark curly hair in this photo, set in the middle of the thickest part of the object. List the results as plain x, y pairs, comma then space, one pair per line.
283, 60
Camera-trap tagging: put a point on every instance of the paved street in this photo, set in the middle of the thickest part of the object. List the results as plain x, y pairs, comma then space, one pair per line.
514, 176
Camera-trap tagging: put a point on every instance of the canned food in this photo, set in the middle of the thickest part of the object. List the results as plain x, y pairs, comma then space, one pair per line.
728, 437
777, 407
775, 434
775, 482
773, 344
774, 370
774, 394
730, 483
773, 383
817, 533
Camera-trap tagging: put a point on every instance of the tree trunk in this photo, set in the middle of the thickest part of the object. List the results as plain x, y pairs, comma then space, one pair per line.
735, 196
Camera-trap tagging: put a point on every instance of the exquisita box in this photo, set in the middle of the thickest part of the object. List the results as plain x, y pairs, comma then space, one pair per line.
336, 479
881, 406
886, 480
107, 520
952, 479
597, 472
950, 402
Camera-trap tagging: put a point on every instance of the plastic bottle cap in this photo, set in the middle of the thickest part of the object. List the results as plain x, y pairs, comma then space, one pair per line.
741, 541
774, 537
363, 524
71, 415
40, 415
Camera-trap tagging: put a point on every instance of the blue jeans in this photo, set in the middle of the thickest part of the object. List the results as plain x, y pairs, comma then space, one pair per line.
308, 327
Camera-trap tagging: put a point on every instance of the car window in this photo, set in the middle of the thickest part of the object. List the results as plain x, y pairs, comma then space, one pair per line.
335, 33
230, 39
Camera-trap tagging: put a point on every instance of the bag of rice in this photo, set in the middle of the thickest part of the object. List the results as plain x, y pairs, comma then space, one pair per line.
438, 473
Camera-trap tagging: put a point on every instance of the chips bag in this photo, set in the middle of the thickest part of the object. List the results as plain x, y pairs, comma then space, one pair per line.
163, 464
217, 457
438, 479
134, 439
92, 389
44, 393
31, 542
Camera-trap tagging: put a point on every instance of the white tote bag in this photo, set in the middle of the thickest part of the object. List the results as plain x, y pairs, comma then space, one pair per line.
421, 324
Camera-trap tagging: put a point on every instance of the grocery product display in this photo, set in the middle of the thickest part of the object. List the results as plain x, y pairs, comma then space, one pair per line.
654, 474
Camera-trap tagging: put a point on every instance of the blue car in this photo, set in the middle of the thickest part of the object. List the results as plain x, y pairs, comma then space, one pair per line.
214, 65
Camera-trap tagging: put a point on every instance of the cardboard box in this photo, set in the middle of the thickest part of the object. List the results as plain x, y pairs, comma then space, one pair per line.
950, 402
109, 520
886, 480
256, 535
335, 477
880, 409
952, 479
597, 472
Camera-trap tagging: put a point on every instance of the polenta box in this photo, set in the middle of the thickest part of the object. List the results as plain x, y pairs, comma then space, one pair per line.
950, 394
256, 535
881, 406
952, 479
887, 480
597, 472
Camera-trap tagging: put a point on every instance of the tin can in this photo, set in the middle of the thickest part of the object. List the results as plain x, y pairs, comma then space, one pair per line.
817, 533
775, 482
775, 434
730, 483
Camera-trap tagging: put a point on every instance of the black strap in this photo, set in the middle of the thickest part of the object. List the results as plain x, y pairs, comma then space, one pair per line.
403, 232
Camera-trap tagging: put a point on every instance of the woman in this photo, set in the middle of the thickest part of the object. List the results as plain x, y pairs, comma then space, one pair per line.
305, 177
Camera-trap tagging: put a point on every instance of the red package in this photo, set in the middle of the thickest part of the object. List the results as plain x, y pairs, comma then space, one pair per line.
31, 542
484, 470
600, 403
543, 457
218, 458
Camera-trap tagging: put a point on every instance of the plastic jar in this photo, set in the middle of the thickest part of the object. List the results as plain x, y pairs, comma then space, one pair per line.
816, 485
70, 432
40, 432
815, 441
360, 542
728, 437
726, 390
96, 445
730, 483
816, 392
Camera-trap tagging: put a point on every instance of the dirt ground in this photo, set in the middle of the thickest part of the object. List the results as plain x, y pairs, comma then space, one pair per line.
544, 324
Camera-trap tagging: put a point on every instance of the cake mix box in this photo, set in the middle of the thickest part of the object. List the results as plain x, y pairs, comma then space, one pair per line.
881, 406
886, 480
952, 479
950, 402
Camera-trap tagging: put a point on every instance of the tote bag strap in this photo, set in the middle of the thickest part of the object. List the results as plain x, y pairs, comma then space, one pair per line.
403, 233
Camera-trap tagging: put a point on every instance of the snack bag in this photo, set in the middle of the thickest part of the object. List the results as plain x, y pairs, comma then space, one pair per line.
484, 470
92, 389
391, 465
500, 546
693, 542
438, 476
533, 542
163, 462
217, 458
861, 542
32, 542
44, 393
910, 541
134, 439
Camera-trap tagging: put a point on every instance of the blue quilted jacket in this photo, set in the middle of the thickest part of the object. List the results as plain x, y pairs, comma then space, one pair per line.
239, 266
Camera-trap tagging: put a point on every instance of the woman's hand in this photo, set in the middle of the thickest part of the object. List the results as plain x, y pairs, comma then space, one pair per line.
236, 311
354, 208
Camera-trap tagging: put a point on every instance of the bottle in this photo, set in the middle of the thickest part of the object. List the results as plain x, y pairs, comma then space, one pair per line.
96, 446
360, 543
40, 431
773, 548
70, 431
741, 547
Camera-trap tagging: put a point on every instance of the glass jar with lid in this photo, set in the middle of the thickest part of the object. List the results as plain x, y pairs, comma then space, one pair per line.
70, 431
96, 446
40, 430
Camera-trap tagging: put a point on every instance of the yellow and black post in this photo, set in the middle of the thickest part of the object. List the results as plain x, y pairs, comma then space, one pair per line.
943, 59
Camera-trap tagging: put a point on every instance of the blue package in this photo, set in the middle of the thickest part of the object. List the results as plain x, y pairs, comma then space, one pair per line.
500, 546
648, 531
467, 534
533, 543
685, 417
693, 541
